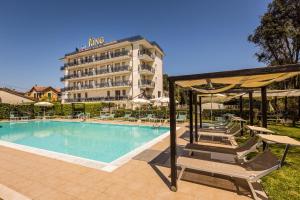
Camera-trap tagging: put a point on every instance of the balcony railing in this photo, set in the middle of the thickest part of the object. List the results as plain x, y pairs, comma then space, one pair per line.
95, 59
99, 85
97, 72
146, 83
145, 51
93, 99
146, 68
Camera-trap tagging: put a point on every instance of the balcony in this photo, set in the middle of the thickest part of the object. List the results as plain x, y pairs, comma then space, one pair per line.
95, 59
99, 85
146, 55
97, 99
146, 69
144, 84
124, 68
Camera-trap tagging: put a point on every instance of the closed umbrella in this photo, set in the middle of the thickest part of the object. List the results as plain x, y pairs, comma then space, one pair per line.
43, 104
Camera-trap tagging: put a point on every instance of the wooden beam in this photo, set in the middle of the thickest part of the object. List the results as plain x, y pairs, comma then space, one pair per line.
200, 112
191, 115
251, 108
196, 117
173, 136
264, 103
298, 108
241, 113
242, 72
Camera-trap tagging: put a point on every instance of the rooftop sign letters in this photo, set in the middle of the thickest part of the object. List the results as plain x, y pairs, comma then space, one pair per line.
95, 41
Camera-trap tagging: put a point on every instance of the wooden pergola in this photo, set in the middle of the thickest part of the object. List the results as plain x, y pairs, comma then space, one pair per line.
227, 81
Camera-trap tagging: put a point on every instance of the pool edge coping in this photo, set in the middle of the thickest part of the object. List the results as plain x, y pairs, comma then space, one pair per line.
99, 165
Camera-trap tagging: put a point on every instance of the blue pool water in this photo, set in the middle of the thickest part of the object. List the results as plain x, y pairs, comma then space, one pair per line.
100, 142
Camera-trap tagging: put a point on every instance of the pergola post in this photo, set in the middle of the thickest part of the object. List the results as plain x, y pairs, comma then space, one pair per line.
264, 103
251, 108
299, 108
200, 111
285, 104
173, 136
196, 117
241, 113
191, 115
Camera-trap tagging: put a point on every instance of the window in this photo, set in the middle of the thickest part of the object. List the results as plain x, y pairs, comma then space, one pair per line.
108, 93
117, 93
74, 96
159, 94
35, 95
124, 92
79, 96
49, 95
86, 95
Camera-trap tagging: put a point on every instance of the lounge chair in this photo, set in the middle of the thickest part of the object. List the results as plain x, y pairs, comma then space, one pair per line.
107, 116
24, 118
251, 171
181, 118
147, 118
13, 117
226, 154
228, 135
220, 129
129, 117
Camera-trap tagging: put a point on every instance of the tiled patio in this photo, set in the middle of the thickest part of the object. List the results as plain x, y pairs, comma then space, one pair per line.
144, 177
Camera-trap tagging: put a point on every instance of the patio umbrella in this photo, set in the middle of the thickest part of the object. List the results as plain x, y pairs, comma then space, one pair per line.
140, 102
43, 104
162, 100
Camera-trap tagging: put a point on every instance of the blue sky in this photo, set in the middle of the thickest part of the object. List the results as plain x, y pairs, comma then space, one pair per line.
197, 36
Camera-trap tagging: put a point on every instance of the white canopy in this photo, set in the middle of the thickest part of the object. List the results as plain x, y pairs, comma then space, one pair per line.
140, 101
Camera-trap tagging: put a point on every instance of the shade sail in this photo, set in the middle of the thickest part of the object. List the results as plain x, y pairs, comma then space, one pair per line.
247, 78
280, 139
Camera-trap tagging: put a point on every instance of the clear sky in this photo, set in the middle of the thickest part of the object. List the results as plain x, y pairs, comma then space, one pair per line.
197, 36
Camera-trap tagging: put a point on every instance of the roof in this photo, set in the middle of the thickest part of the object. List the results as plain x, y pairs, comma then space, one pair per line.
245, 78
14, 92
128, 39
43, 89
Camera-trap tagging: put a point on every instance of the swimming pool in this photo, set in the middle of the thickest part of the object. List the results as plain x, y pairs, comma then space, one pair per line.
93, 141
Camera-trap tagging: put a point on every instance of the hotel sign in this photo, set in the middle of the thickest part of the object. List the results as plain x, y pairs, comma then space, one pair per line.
95, 41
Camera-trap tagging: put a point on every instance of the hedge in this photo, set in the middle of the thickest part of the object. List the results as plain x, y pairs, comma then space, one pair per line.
95, 108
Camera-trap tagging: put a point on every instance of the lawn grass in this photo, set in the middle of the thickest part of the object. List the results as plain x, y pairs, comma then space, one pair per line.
285, 182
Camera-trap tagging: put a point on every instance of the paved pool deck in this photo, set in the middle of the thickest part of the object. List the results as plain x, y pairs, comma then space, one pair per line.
146, 176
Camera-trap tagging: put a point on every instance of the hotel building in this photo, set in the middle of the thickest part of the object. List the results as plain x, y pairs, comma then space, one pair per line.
115, 71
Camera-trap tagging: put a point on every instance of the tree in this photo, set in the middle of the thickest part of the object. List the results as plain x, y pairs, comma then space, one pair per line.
180, 93
278, 35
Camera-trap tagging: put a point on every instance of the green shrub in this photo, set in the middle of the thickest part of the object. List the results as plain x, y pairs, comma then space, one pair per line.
4, 111
93, 108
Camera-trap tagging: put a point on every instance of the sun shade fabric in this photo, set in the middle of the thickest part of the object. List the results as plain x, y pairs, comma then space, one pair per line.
279, 139
251, 81
259, 129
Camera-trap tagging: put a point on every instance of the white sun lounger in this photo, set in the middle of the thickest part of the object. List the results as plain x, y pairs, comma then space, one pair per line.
251, 171
224, 153
235, 130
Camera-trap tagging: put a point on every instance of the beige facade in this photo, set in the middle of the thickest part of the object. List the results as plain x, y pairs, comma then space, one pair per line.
116, 71
13, 97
